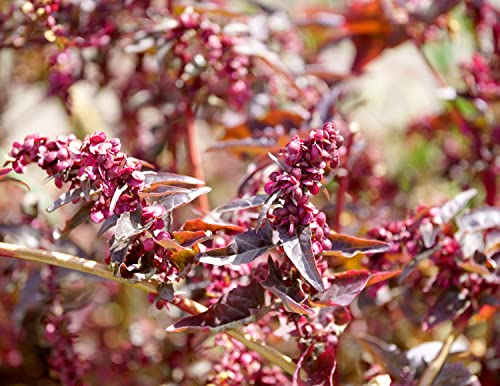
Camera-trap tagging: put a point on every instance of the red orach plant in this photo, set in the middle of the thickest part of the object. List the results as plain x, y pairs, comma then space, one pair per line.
264, 288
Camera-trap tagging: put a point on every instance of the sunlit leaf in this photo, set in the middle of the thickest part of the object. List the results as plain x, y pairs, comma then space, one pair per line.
448, 306
292, 297
243, 203
239, 306
245, 248
350, 246
449, 210
165, 178
180, 199
298, 249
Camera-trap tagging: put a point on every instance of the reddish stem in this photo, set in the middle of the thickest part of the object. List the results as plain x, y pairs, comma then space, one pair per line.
343, 185
193, 154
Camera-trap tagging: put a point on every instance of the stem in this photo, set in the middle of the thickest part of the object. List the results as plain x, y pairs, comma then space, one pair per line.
343, 185
97, 269
193, 154
432, 371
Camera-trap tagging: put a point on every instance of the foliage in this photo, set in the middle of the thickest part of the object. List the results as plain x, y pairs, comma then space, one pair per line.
276, 291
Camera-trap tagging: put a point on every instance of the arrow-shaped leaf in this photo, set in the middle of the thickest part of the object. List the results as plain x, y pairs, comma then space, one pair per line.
293, 297
239, 306
350, 246
298, 249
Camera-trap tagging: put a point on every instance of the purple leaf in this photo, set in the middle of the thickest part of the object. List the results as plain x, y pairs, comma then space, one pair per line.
319, 363
265, 209
455, 374
245, 248
243, 203
410, 267
107, 224
449, 210
388, 356
65, 198
165, 178
292, 296
180, 199
298, 248
480, 219
447, 307
350, 246
239, 306
345, 287
166, 292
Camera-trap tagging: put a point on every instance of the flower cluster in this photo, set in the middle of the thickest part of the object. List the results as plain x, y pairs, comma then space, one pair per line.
240, 366
95, 169
209, 57
63, 359
303, 166
481, 75
423, 234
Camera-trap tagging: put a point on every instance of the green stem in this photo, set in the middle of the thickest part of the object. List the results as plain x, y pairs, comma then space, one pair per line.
97, 269
432, 371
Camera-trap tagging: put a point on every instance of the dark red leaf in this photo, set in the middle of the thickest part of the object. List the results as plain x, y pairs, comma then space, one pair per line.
180, 199
344, 288
349, 246
293, 297
65, 198
319, 363
449, 210
210, 224
388, 356
448, 306
243, 203
298, 249
165, 178
240, 306
245, 248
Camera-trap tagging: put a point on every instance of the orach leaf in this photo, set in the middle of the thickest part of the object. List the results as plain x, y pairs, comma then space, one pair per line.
298, 248
344, 288
455, 374
245, 248
447, 307
265, 209
239, 306
107, 224
209, 223
350, 246
188, 238
177, 200
449, 210
248, 145
412, 265
129, 224
389, 356
243, 203
319, 363
4, 177
293, 297
164, 178
182, 258
65, 198
161, 191
166, 292
479, 220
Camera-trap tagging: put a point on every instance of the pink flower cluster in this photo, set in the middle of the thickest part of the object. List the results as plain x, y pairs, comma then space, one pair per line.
94, 167
205, 50
303, 166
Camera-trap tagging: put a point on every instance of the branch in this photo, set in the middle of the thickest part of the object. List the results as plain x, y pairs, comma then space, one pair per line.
97, 269
193, 154
432, 371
